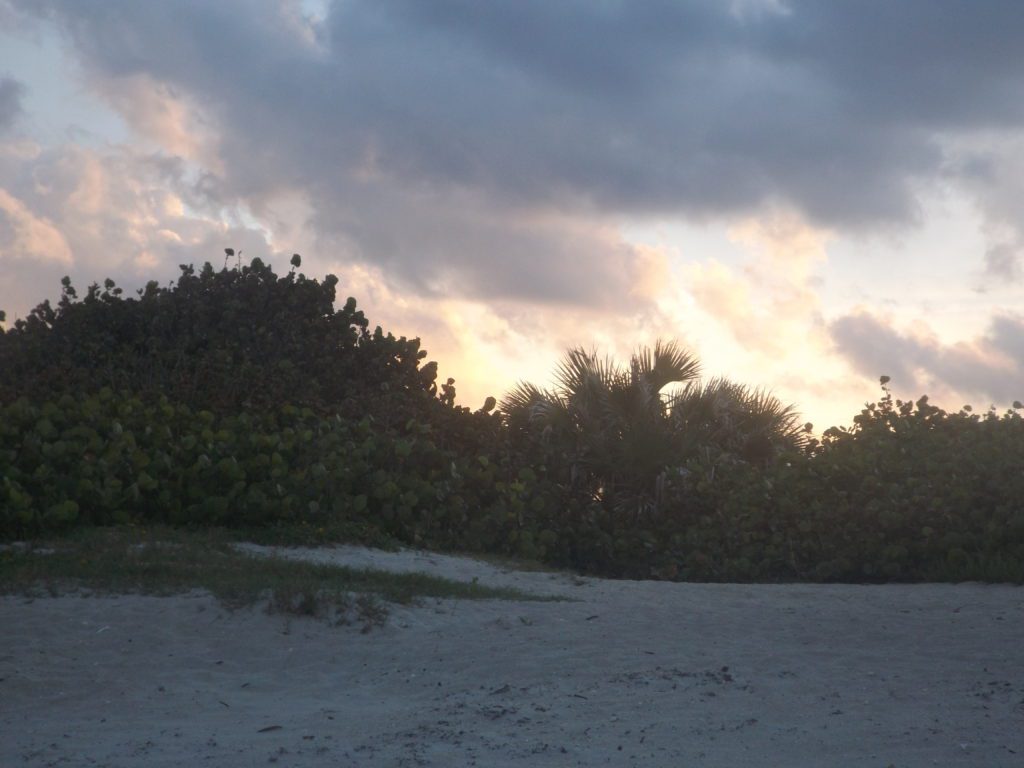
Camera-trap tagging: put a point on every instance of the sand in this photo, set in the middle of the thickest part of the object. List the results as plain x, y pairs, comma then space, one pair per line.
630, 673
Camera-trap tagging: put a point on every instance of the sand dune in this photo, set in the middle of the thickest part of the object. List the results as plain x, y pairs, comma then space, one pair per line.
629, 673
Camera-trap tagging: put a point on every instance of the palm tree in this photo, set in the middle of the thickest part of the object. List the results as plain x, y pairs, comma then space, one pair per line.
618, 434
609, 423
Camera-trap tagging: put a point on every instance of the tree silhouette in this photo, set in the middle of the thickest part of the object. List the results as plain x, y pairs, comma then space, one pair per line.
620, 436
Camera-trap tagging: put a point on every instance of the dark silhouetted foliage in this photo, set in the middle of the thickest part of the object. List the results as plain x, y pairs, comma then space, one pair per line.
242, 398
221, 340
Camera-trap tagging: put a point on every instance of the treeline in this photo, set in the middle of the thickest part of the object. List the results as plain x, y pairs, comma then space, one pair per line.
242, 398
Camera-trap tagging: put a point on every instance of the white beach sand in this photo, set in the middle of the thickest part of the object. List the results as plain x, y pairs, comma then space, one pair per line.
632, 673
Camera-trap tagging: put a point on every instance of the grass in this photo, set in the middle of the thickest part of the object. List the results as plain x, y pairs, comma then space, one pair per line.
163, 561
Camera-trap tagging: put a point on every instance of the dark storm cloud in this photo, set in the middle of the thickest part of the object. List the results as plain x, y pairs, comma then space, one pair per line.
11, 93
588, 109
990, 367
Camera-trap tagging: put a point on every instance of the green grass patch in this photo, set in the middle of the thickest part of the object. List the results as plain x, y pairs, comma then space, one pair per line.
163, 561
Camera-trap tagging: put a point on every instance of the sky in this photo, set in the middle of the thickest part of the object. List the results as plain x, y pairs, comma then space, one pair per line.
807, 195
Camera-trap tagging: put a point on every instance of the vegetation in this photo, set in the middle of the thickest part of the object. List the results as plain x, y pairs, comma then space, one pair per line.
223, 341
909, 493
243, 399
164, 561
114, 458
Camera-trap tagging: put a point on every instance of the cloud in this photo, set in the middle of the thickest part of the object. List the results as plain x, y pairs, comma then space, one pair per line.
770, 305
990, 366
93, 214
478, 160
1003, 263
515, 112
157, 111
23, 235
11, 94
988, 166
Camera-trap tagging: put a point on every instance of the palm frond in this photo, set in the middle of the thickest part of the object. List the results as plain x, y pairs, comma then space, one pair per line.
521, 398
766, 413
573, 371
735, 419
666, 364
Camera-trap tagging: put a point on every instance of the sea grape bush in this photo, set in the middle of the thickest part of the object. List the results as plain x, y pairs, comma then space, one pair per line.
909, 492
241, 398
169, 406
220, 340
113, 458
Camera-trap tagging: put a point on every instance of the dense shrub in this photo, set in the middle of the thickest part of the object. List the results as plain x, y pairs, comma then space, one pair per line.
242, 398
931, 494
220, 340
113, 458
615, 438
909, 493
